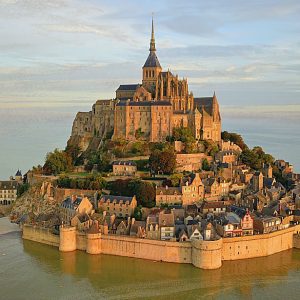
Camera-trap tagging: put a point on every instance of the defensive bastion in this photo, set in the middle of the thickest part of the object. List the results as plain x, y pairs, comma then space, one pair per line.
202, 254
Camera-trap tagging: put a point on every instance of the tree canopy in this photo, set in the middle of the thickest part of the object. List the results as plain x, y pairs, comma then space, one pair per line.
234, 138
162, 161
57, 162
144, 191
90, 182
256, 157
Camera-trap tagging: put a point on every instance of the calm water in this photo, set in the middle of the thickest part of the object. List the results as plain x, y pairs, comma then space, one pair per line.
29, 270
28, 133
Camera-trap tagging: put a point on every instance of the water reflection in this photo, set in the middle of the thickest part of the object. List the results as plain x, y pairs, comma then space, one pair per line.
125, 278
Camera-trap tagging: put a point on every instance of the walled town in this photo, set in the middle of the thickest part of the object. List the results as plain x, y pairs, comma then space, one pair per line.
150, 174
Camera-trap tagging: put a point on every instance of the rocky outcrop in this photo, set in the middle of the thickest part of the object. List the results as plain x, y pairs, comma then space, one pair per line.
36, 206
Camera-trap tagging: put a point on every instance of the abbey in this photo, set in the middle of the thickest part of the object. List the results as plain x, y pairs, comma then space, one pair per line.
152, 109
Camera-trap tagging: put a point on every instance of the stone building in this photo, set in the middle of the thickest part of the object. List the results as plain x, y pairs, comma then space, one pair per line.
75, 206
118, 205
124, 168
149, 110
8, 192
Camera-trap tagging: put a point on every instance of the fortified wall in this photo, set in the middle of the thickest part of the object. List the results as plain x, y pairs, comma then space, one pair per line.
202, 254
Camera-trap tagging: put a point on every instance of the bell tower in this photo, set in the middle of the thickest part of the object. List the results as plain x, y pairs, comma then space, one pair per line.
151, 68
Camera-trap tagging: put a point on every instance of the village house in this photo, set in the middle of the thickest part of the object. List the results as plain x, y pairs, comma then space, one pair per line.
212, 189
82, 222
166, 223
8, 192
257, 181
266, 224
118, 205
123, 227
230, 226
226, 156
183, 237
209, 232
214, 207
224, 187
152, 227
138, 229
195, 233
124, 168
247, 224
192, 189
73, 206
168, 195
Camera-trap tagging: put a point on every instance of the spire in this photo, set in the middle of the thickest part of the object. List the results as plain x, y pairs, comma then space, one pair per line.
152, 41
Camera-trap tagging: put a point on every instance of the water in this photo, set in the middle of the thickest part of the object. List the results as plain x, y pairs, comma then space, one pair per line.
28, 133
30, 270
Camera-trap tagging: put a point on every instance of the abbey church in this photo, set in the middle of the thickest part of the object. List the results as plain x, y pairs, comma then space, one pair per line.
151, 109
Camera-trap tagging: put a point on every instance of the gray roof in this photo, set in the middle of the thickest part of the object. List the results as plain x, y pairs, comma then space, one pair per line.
68, 203
205, 102
152, 61
8, 185
128, 87
19, 173
233, 218
112, 198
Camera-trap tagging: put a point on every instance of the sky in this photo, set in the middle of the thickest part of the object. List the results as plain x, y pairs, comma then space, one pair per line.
68, 52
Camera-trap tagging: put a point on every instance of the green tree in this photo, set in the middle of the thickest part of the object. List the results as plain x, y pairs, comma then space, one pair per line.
234, 138
73, 151
144, 192
57, 162
164, 161
176, 179
205, 165
137, 213
22, 188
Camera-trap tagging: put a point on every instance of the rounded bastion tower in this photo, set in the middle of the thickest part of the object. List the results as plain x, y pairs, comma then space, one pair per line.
67, 239
93, 243
207, 254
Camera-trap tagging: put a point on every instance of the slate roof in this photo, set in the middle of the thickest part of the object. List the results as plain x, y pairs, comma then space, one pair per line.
168, 191
8, 185
233, 218
152, 61
135, 227
72, 205
19, 173
205, 102
166, 219
128, 87
112, 198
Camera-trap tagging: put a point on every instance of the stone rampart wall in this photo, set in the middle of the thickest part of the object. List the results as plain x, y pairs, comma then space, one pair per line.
258, 245
41, 235
202, 254
146, 249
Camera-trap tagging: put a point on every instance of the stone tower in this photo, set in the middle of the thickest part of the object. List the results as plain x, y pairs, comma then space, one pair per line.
151, 68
